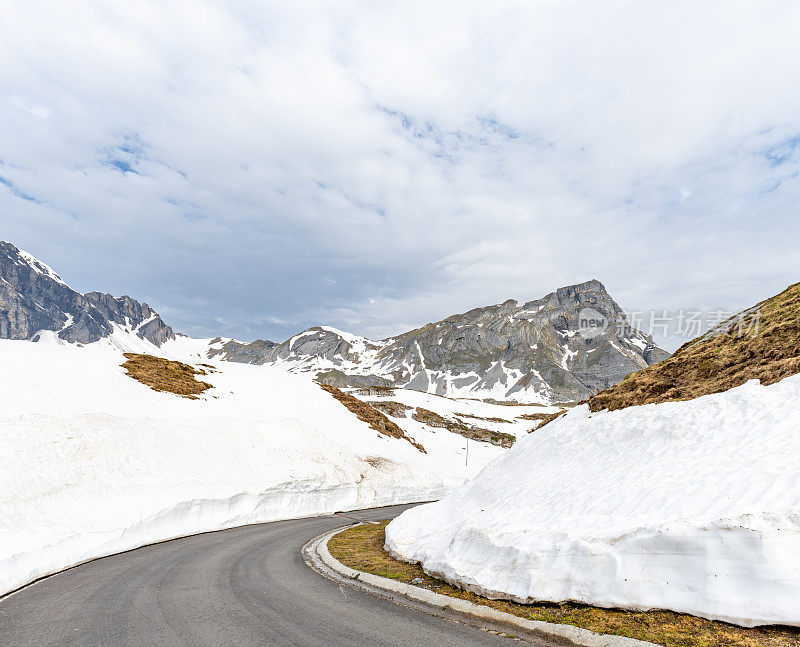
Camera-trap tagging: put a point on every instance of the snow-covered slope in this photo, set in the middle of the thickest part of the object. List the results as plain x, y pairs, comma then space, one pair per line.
690, 506
92, 462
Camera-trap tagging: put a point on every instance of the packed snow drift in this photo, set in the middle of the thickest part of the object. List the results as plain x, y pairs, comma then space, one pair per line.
93, 462
690, 506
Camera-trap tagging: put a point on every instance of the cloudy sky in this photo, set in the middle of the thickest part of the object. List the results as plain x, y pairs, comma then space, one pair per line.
253, 168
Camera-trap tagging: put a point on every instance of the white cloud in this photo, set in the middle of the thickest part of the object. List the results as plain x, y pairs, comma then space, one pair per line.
377, 166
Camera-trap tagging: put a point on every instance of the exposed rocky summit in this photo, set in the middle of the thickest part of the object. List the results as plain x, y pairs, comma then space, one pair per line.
236, 351
129, 312
564, 347
35, 301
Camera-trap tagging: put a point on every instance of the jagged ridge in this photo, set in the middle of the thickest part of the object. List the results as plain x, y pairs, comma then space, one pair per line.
35, 301
530, 352
534, 352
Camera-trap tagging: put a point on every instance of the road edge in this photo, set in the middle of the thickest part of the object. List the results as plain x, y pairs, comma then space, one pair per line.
318, 557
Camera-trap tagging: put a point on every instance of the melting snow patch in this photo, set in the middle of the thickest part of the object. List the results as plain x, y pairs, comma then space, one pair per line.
637, 342
568, 355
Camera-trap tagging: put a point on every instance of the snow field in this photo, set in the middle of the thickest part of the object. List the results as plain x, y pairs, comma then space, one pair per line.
92, 462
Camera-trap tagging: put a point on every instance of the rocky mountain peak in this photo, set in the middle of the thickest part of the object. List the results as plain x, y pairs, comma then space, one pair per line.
128, 312
531, 352
35, 302
592, 285
10, 255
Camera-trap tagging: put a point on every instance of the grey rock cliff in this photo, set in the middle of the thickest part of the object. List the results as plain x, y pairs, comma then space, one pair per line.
129, 312
33, 298
236, 351
535, 346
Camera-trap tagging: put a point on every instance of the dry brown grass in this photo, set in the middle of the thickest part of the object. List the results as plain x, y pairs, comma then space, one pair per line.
472, 432
375, 390
548, 418
391, 408
372, 417
712, 364
165, 375
534, 416
474, 417
361, 548
541, 418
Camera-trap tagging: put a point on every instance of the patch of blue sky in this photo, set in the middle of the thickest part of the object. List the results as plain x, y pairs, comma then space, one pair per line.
17, 192
783, 151
777, 184
133, 145
493, 125
126, 155
484, 132
121, 165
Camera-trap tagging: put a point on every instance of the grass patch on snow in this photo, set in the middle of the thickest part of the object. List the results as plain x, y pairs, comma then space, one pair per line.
383, 391
361, 548
165, 374
535, 416
474, 417
391, 408
371, 416
472, 432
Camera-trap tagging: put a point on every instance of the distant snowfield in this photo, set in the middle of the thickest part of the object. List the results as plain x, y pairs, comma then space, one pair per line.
92, 462
690, 506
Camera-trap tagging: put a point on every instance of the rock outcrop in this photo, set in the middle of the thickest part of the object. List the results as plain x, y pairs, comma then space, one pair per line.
35, 301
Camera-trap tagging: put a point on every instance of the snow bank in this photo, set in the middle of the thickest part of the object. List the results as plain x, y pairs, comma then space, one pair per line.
690, 506
93, 462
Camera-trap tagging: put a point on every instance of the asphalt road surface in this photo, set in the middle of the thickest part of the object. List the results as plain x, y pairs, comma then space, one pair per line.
235, 588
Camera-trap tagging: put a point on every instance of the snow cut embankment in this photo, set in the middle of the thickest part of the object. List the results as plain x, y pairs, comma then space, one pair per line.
690, 506
93, 463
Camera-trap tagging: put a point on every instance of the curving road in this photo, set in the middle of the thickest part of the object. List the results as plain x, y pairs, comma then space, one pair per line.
240, 587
